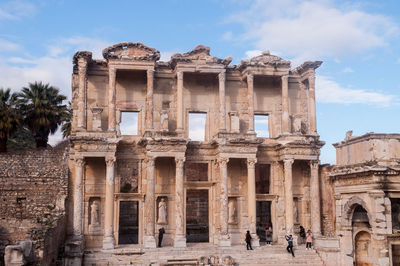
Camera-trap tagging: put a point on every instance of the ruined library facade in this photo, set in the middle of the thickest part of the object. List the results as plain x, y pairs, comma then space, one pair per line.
208, 150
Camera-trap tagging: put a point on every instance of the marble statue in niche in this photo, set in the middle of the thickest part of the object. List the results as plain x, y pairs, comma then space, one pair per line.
162, 212
94, 225
164, 120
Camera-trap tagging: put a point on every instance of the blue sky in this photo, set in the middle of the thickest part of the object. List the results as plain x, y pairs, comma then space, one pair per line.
357, 87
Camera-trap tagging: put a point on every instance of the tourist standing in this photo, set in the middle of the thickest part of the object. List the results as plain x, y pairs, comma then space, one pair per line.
308, 239
248, 241
268, 235
161, 233
289, 248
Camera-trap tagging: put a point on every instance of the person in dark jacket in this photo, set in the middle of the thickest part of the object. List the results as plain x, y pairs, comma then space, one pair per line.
248, 241
289, 239
161, 233
302, 234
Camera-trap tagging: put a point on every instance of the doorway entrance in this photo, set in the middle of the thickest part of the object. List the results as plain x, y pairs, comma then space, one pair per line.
128, 222
263, 212
197, 227
363, 249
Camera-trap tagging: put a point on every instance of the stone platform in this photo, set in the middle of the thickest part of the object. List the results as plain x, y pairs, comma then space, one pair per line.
264, 255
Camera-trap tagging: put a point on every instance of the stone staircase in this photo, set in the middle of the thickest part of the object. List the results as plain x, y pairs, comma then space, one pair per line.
264, 255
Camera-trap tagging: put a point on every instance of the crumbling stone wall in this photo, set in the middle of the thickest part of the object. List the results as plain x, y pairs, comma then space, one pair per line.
33, 189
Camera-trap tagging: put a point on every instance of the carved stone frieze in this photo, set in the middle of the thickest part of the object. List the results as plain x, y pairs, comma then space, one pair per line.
131, 51
200, 54
265, 59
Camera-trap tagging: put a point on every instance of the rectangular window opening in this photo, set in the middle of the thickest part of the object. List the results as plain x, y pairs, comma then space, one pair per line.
197, 126
129, 123
261, 126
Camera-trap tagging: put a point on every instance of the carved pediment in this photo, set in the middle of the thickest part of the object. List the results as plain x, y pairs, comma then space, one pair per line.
81, 54
199, 55
265, 59
307, 65
131, 51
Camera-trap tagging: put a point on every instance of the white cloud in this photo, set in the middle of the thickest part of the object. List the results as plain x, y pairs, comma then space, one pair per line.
398, 61
253, 53
328, 91
227, 36
166, 56
8, 46
348, 70
313, 29
16, 9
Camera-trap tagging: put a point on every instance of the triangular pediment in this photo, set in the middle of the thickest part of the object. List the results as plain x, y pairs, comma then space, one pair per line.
266, 59
131, 51
199, 55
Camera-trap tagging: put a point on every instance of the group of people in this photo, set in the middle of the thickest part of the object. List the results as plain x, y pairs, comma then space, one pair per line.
304, 238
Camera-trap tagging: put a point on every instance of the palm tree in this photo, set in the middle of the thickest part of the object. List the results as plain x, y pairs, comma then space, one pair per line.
10, 118
42, 109
67, 117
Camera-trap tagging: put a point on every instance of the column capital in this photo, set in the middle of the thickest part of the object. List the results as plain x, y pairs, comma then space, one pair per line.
150, 161
110, 161
251, 162
82, 65
80, 161
311, 81
250, 77
314, 164
180, 162
285, 77
222, 76
150, 72
288, 162
179, 75
223, 162
112, 70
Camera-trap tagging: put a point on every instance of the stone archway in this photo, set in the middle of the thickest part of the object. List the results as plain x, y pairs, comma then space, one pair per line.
362, 249
349, 208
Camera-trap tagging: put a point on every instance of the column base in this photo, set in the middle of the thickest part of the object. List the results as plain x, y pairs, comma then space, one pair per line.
225, 241
149, 242
108, 242
255, 241
180, 241
74, 251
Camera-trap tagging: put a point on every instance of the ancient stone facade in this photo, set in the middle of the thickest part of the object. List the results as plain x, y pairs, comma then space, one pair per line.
232, 181
362, 196
33, 190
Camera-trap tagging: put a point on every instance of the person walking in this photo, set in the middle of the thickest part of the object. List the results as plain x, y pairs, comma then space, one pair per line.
308, 239
248, 241
289, 248
268, 235
161, 233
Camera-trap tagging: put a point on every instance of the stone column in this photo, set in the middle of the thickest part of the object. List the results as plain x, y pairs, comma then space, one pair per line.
180, 238
179, 97
111, 98
315, 199
285, 104
149, 240
288, 195
82, 70
250, 99
224, 240
108, 241
222, 105
149, 99
251, 199
78, 195
311, 104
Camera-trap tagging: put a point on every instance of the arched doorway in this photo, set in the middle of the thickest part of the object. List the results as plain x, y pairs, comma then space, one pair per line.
363, 249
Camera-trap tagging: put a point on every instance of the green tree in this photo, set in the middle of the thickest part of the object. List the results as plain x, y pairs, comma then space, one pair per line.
10, 118
42, 109
67, 117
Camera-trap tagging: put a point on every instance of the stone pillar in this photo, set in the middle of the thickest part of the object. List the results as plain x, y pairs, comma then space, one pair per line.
82, 70
311, 104
180, 108
225, 240
149, 99
251, 199
288, 195
285, 104
250, 99
315, 199
78, 195
108, 241
149, 240
111, 98
180, 238
222, 104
